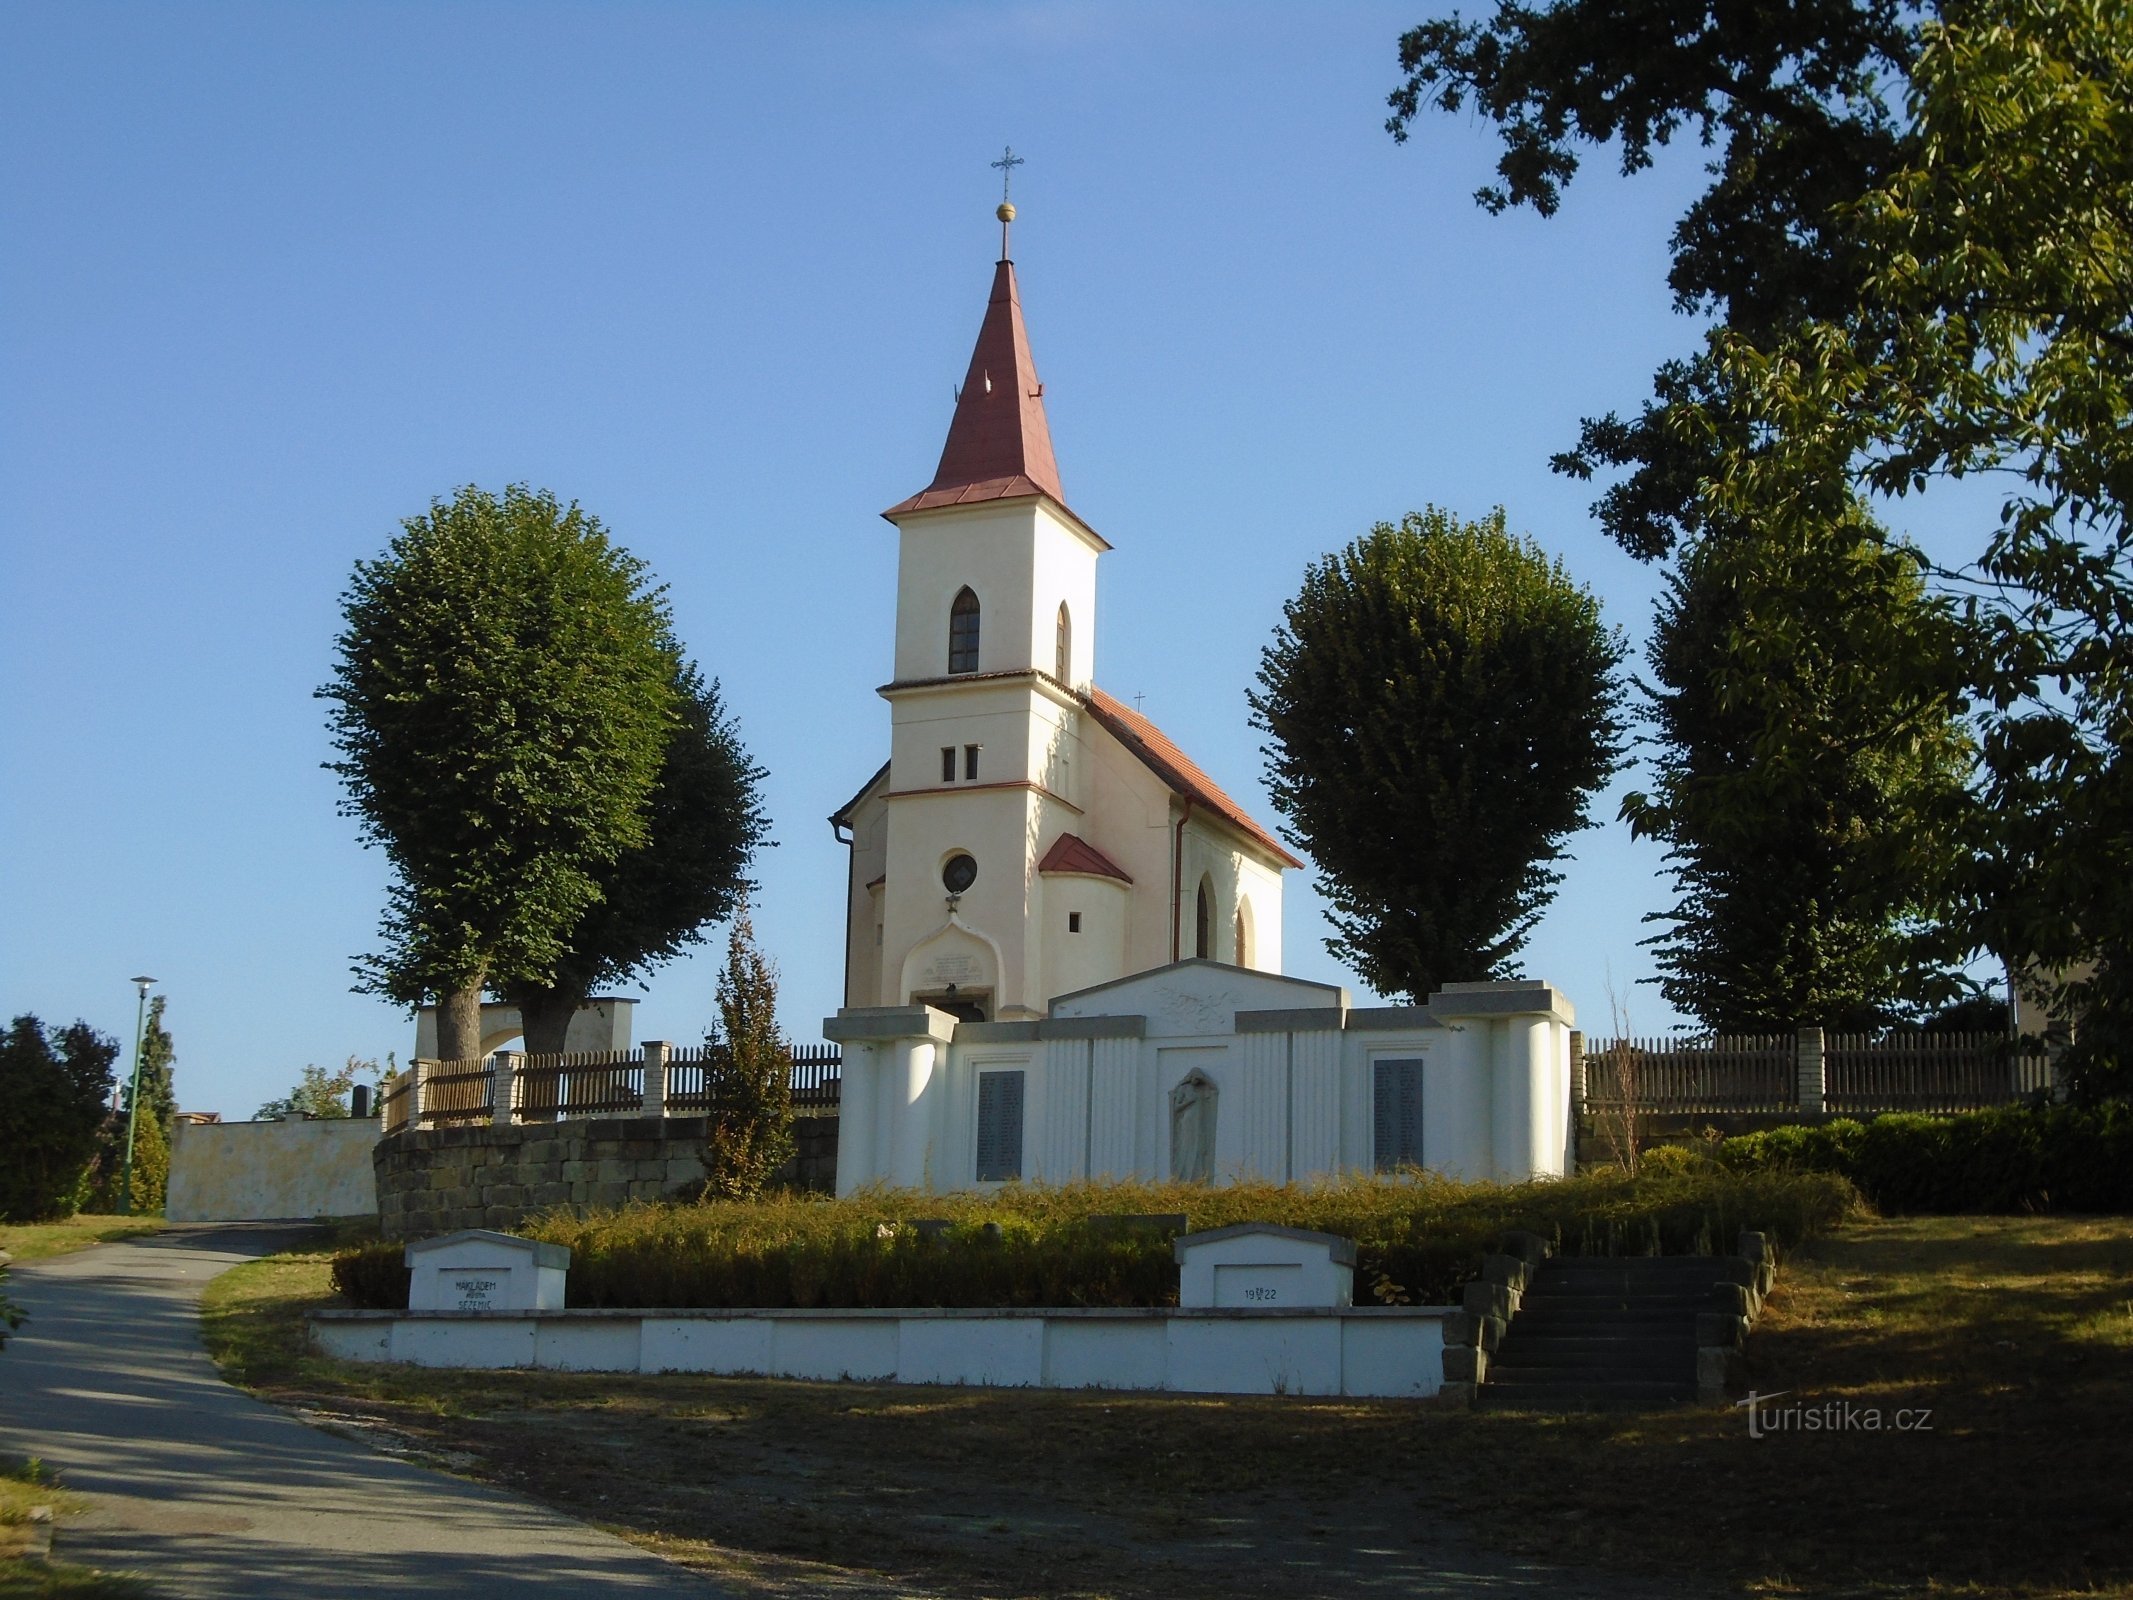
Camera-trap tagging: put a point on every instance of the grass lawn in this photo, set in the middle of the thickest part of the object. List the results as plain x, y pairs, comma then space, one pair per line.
34, 1241
2015, 1334
24, 1484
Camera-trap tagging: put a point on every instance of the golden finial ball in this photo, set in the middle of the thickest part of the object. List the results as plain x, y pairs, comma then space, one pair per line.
1006, 213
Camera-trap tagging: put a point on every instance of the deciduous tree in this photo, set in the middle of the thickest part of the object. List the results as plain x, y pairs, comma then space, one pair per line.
705, 821
1796, 102
503, 700
319, 1093
1441, 700
1995, 334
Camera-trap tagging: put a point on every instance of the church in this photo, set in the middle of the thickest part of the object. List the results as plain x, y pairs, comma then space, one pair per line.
1063, 940
1030, 835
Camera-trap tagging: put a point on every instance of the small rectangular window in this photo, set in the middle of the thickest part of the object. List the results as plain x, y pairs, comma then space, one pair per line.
999, 1126
1396, 1122
1073, 922
970, 761
947, 763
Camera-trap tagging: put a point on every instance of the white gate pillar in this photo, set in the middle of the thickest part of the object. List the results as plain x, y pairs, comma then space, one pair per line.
890, 1108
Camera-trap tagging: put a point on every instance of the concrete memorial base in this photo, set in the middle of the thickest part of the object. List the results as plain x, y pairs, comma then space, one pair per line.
1377, 1351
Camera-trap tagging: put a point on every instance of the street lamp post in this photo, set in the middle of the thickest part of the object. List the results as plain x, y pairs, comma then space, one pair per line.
133, 1112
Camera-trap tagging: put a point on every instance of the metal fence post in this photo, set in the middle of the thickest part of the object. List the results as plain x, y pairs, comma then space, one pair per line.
503, 1088
655, 1077
1811, 1064
2058, 1037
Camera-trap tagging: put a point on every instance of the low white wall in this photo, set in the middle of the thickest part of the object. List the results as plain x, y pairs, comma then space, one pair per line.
259, 1171
1386, 1351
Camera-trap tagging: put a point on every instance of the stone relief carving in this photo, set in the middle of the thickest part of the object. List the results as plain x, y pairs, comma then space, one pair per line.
1192, 1128
1213, 1010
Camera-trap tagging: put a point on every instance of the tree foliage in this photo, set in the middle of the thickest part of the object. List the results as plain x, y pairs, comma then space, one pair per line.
319, 1093
750, 1074
1792, 99
152, 1134
1821, 889
1995, 334
704, 823
1441, 701
503, 699
53, 1091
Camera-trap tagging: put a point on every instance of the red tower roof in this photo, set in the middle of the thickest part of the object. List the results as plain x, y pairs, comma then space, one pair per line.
999, 444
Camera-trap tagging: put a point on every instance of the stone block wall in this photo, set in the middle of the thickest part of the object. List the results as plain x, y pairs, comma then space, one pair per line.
442, 1179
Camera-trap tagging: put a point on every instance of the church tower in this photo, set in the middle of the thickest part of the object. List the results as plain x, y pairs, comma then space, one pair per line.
1029, 835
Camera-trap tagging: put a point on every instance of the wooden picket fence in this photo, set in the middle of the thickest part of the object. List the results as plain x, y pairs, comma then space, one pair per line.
1753, 1073
1855, 1074
1930, 1072
551, 1088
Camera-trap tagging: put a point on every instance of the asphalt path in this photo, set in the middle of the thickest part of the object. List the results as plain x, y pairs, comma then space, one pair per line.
207, 1492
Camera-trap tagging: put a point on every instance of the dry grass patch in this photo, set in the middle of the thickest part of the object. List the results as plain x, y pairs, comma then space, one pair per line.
2016, 1332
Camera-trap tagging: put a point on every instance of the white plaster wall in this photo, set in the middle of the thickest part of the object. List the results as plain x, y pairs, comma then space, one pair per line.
868, 860
1369, 1352
1096, 954
1021, 559
257, 1171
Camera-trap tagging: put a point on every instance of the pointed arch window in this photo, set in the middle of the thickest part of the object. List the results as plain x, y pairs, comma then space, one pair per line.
963, 633
1063, 646
1203, 921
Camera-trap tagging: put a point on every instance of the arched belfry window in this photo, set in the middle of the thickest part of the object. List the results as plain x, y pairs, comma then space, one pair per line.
1063, 647
963, 633
1203, 921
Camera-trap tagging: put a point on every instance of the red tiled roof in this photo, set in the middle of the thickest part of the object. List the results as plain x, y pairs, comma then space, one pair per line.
1177, 769
1071, 853
999, 443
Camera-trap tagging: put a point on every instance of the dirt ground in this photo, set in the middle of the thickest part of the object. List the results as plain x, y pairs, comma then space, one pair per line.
2015, 1334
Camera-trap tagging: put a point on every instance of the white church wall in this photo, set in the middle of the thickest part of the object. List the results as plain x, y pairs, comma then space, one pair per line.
1291, 1065
1063, 571
924, 831
1094, 954
863, 929
1020, 559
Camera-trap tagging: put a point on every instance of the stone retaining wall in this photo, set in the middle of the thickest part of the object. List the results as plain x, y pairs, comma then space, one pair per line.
482, 1176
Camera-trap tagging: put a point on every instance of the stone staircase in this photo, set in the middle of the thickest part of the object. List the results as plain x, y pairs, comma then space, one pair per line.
1567, 1333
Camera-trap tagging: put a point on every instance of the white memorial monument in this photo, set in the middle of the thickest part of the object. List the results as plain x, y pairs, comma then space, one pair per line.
476, 1270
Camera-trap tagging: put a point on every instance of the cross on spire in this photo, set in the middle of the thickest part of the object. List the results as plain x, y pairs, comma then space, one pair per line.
1007, 164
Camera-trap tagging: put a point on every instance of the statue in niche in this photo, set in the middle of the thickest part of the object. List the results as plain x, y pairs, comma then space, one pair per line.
1192, 1128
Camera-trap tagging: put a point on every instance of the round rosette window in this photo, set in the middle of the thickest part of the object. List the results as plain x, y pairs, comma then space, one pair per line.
959, 872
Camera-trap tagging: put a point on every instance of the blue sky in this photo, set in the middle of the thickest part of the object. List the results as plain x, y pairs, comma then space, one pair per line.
274, 276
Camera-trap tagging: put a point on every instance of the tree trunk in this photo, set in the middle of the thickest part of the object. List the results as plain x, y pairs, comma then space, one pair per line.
459, 1023
545, 1015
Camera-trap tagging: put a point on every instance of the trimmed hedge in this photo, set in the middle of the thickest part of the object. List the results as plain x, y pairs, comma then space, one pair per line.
2050, 1158
1102, 1245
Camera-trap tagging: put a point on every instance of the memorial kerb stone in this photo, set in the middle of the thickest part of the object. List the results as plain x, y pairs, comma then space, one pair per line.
1261, 1266
476, 1270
